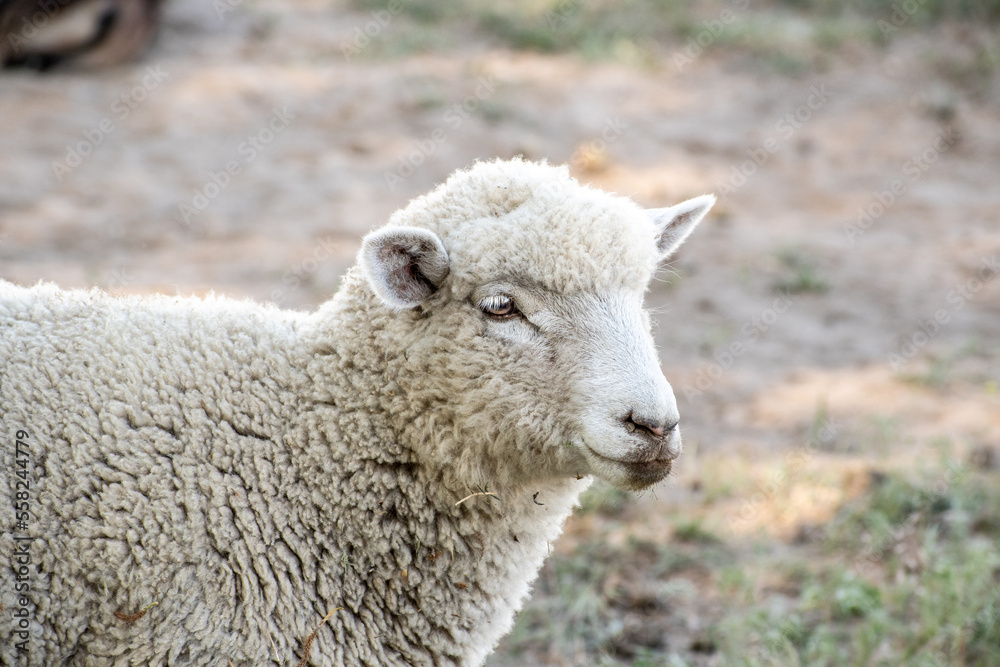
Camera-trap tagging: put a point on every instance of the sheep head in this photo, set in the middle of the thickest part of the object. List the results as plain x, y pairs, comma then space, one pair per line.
515, 298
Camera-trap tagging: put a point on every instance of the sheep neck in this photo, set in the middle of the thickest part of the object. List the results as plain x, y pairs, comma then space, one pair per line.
411, 536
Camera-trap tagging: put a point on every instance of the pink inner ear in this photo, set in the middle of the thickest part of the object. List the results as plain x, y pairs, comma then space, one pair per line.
678, 221
403, 274
674, 233
406, 265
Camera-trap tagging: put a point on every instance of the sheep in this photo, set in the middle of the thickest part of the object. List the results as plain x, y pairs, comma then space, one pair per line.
41, 34
213, 481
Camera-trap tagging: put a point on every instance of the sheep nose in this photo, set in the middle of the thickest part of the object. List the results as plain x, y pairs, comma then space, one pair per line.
656, 427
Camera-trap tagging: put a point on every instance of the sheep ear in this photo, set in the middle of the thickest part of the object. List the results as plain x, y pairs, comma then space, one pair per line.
676, 222
404, 265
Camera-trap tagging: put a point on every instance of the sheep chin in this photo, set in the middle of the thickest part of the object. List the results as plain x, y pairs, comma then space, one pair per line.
627, 476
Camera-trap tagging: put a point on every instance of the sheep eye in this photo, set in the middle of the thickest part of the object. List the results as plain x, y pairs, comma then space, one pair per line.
499, 307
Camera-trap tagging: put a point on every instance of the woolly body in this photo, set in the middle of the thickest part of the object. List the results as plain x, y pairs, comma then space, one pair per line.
247, 470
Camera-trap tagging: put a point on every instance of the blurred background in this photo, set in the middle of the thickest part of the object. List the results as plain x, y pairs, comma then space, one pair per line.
832, 330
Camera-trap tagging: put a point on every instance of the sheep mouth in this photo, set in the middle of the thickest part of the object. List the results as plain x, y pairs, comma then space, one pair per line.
630, 475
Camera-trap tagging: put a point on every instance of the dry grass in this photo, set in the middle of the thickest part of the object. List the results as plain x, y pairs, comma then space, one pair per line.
871, 543
307, 644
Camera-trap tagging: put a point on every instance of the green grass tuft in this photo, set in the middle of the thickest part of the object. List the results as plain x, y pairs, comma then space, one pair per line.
799, 273
912, 576
603, 498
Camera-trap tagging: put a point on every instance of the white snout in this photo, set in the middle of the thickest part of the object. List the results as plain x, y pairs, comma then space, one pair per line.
631, 441
629, 418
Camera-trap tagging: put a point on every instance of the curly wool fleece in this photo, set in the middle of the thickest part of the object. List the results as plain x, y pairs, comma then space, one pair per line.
210, 479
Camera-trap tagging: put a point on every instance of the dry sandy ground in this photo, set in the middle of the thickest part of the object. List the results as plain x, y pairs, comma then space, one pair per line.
830, 142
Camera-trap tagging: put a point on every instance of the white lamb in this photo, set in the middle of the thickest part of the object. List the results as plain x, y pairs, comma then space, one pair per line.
206, 482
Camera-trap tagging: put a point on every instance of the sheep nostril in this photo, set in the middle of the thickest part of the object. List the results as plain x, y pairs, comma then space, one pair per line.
654, 427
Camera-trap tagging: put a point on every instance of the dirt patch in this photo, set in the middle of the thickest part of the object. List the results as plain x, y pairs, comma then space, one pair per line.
848, 275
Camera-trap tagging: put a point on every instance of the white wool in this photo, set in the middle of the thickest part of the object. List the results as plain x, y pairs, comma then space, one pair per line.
210, 478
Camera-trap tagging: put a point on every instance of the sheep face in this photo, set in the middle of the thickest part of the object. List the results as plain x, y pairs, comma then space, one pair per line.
532, 314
